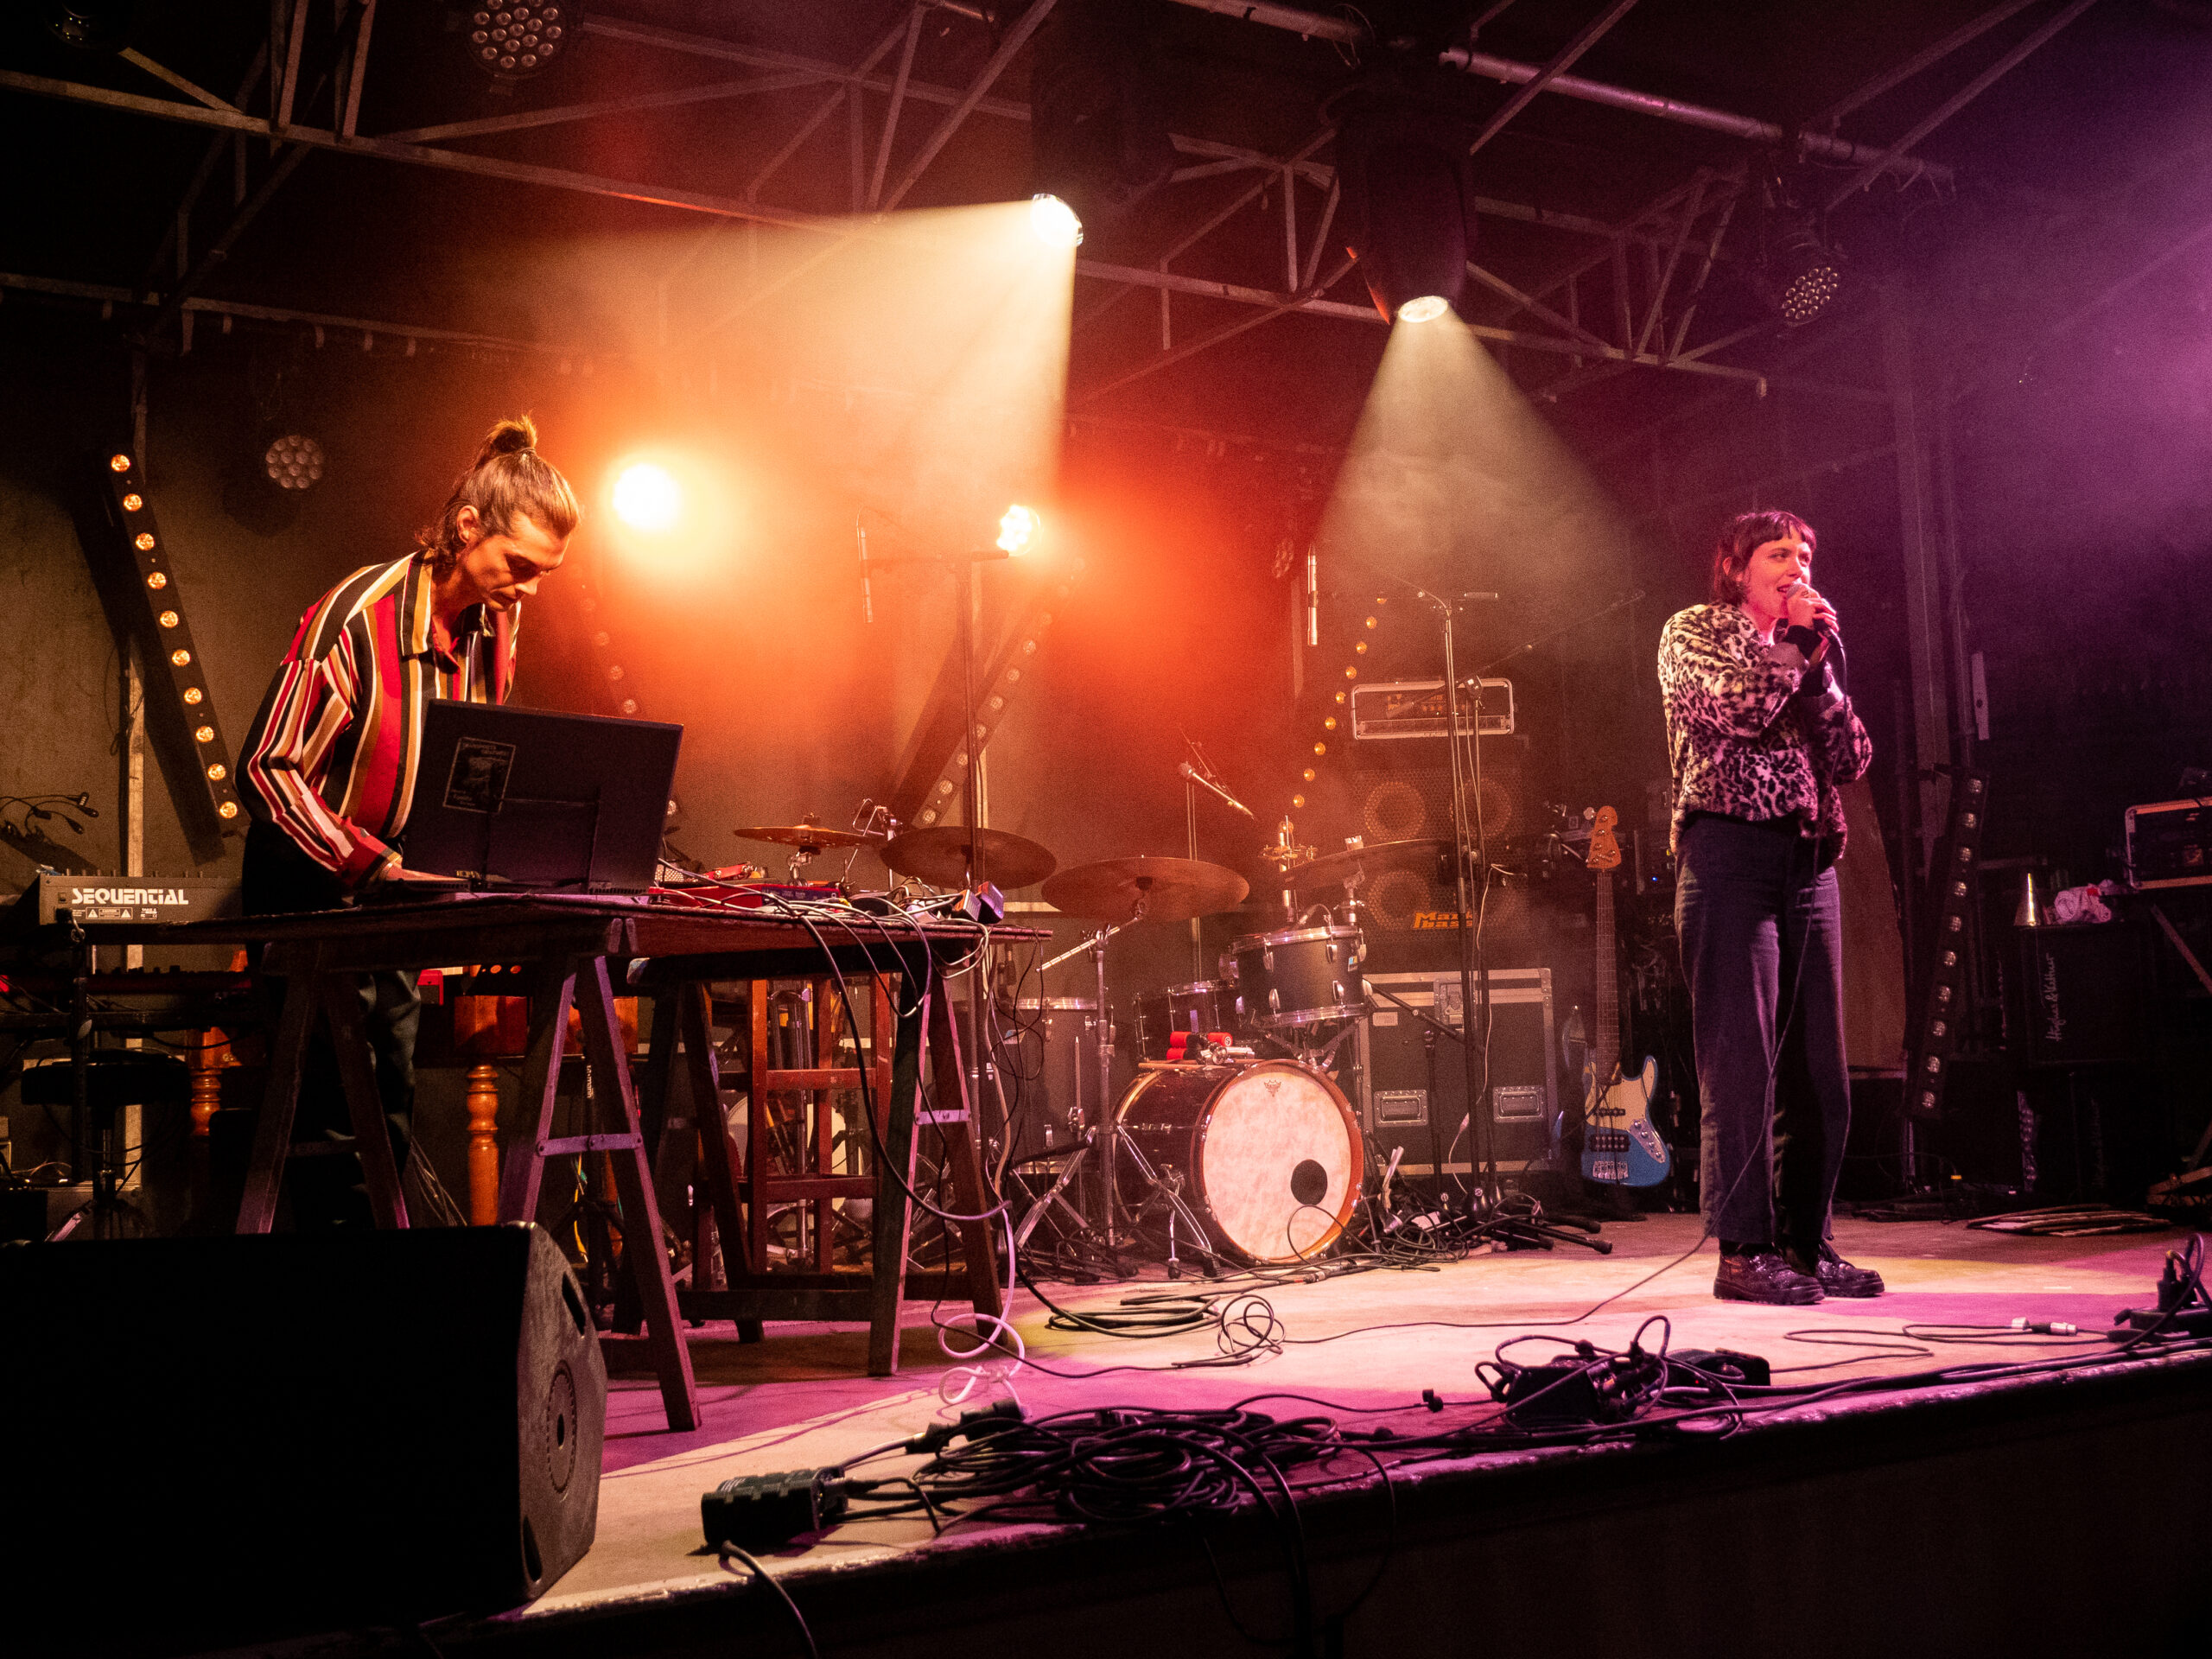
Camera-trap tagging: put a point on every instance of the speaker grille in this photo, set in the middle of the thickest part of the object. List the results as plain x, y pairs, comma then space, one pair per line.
1413, 803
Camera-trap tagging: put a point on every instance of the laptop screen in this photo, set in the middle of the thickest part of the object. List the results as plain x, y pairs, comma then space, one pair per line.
525, 797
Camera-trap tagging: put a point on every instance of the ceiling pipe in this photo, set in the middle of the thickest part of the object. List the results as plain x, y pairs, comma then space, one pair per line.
1490, 67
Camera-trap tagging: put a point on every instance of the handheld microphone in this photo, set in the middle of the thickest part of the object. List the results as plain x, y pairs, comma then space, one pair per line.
1206, 782
868, 590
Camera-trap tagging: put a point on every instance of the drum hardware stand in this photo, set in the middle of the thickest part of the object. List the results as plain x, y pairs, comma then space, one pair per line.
1285, 854
1166, 1196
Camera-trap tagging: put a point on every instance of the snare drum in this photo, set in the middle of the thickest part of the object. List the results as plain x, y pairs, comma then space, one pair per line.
1299, 976
1201, 1006
1269, 1154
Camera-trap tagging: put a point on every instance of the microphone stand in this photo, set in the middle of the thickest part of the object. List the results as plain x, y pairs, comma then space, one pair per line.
1192, 777
1474, 968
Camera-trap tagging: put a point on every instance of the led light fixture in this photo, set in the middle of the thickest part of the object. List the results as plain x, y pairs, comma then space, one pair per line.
512, 42
293, 462
129, 558
1017, 528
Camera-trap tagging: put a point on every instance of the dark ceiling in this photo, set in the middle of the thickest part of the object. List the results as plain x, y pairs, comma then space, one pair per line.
2049, 164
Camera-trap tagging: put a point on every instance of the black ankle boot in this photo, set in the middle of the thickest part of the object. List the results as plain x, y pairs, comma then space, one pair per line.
1762, 1275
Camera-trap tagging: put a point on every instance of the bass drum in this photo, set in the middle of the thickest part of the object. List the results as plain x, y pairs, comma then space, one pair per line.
1271, 1156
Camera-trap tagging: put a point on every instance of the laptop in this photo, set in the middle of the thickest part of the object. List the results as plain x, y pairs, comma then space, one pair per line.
523, 798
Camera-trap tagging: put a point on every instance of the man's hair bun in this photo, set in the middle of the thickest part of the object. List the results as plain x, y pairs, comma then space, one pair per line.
508, 437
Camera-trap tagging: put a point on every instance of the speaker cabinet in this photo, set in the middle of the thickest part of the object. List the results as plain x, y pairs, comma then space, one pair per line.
1412, 1100
1413, 802
287, 1433
2079, 994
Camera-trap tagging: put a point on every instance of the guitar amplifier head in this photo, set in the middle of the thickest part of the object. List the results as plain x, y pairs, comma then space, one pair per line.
2170, 844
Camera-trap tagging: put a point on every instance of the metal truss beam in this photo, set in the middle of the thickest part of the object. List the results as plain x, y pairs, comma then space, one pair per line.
673, 98
1491, 67
1981, 83
1592, 32
1015, 39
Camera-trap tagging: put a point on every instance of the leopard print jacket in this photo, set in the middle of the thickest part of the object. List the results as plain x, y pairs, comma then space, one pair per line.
1740, 738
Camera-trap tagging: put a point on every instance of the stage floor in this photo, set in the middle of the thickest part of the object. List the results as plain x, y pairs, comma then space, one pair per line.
1367, 1342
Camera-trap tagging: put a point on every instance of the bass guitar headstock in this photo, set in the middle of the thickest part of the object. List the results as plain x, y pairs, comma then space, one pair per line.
1604, 852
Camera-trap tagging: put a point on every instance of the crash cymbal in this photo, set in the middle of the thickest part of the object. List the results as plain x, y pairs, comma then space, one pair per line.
940, 857
1170, 889
1374, 859
808, 837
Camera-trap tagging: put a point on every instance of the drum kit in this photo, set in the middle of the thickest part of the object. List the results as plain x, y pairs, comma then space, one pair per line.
1234, 1141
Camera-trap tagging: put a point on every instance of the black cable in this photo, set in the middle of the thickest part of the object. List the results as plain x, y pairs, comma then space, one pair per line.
762, 1575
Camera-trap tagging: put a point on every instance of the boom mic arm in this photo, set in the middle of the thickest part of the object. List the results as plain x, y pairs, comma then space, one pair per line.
1206, 782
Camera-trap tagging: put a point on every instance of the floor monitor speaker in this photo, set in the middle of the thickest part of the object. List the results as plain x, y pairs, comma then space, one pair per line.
293, 1431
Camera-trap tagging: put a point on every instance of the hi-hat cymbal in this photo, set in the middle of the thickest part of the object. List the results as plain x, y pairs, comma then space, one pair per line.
1168, 889
1374, 859
941, 857
807, 838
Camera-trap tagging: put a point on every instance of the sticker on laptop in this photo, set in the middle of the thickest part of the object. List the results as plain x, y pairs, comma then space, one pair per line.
477, 782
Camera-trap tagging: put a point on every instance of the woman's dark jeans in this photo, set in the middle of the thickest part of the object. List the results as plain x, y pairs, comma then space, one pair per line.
1762, 949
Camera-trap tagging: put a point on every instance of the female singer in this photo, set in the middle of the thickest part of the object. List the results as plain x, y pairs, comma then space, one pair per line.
1761, 734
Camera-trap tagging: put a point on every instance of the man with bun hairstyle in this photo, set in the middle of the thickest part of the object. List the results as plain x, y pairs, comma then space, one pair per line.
328, 770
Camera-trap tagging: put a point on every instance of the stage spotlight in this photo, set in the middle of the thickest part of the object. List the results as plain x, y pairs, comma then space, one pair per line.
1018, 529
1407, 208
293, 462
511, 41
1098, 131
1426, 308
1054, 222
646, 497
95, 25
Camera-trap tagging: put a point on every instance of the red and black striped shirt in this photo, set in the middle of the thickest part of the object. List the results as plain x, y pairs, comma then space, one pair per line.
331, 758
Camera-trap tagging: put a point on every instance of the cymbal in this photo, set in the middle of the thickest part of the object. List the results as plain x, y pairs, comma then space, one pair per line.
940, 857
808, 837
1373, 858
1171, 889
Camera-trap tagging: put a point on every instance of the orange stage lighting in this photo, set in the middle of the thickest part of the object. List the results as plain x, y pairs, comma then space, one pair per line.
1018, 530
647, 497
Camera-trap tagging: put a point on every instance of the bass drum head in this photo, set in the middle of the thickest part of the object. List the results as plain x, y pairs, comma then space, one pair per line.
1278, 1162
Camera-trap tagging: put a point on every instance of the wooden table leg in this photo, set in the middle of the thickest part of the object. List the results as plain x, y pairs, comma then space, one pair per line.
483, 1144
719, 1162
633, 1179
272, 1133
957, 1116
341, 1010
541, 1085
894, 1173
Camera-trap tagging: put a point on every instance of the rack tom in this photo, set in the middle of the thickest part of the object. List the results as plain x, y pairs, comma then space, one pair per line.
1297, 977
1202, 1006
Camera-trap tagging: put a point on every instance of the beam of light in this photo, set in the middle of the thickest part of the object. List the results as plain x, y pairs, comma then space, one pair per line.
1018, 529
1453, 479
1054, 223
1426, 308
647, 497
